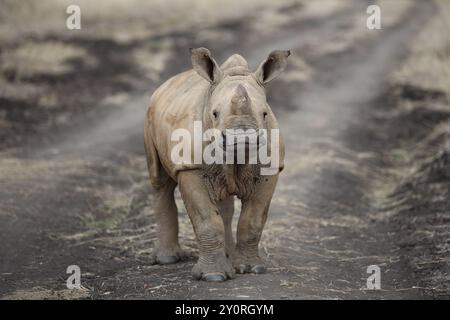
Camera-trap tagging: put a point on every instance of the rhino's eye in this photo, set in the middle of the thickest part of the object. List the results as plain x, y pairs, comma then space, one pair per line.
264, 114
215, 114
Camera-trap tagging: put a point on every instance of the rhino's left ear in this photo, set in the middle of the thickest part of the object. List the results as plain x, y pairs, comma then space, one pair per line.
205, 65
271, 68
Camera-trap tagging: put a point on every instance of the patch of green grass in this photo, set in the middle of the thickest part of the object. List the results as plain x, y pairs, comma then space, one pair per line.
111, 211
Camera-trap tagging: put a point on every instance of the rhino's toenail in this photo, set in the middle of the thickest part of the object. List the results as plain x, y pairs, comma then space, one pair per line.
167, 259
214, 277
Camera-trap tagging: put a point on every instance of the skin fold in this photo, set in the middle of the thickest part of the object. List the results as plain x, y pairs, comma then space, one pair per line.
221, 97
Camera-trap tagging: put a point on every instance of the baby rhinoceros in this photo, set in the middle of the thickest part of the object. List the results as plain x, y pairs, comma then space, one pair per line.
226, 98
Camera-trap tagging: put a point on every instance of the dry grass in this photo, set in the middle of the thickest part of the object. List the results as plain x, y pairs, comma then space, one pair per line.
324, 8
49, 57
272, 20
35, 58
19, 170
428, 65
39, 293
119, 20
392, 12
152, 60
122, 20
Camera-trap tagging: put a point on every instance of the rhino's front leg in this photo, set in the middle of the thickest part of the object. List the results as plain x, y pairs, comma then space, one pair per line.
212, 264
251, 224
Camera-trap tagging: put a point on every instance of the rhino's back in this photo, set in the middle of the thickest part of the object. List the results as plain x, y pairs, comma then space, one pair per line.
176, 104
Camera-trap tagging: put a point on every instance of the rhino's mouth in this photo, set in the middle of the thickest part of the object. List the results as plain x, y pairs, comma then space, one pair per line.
246, 140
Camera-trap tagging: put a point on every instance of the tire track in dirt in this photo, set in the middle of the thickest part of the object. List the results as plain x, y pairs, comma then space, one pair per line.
336, 166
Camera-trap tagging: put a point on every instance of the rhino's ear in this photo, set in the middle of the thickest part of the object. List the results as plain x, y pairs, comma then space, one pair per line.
272, 67
205, 65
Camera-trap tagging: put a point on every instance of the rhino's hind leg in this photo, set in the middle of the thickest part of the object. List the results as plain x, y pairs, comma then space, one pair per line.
226, 208
212, 264
168, 249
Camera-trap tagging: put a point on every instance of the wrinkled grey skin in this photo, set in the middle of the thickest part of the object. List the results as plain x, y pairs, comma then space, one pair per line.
225, 97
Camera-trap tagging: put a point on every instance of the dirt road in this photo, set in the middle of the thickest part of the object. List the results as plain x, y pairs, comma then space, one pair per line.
79, 194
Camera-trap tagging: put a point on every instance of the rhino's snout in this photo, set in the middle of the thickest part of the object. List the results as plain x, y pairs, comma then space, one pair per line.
236, 137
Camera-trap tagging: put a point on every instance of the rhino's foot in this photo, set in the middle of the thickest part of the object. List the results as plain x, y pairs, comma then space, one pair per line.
214, 268
248, 264
168, 255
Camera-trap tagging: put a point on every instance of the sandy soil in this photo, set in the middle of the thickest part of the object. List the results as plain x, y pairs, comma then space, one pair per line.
367, 177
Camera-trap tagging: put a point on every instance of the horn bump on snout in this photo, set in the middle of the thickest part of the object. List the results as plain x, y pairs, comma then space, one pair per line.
240, 98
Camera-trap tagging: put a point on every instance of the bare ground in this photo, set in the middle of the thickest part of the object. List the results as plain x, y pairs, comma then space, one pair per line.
366, 180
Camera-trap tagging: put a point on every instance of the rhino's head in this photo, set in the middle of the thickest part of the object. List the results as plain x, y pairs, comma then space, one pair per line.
236, 100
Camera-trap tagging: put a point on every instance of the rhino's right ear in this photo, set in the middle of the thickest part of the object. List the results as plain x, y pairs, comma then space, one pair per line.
273, 66
205, 65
